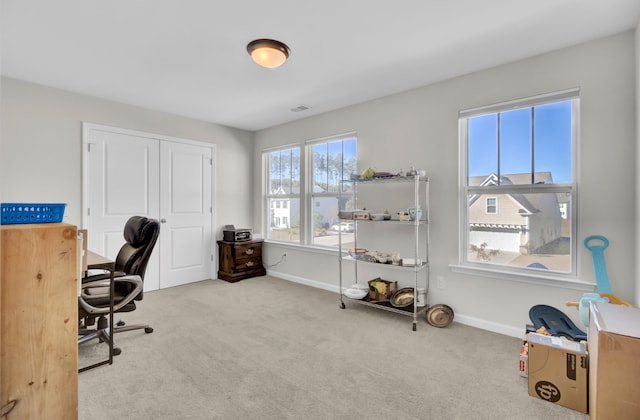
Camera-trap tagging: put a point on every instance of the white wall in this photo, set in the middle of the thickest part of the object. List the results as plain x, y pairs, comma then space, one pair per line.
420, 128
41, 154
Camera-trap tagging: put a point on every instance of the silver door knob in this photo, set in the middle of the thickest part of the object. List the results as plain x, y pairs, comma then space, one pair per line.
163, 220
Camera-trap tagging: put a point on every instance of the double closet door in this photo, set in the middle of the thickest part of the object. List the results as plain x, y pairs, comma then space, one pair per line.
128, 173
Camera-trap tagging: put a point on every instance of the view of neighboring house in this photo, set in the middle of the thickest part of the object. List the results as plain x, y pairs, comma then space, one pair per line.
285, 212
519, 223
281, 211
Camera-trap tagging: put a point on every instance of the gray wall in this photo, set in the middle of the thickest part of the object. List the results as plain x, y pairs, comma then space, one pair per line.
40, 160
41, 154
420, 128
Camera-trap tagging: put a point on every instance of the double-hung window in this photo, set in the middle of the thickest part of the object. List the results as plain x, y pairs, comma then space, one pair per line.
303, 190
282, 198
332, 160
518, 186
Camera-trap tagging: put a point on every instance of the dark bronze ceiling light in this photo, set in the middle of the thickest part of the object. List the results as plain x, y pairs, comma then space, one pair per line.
268, 52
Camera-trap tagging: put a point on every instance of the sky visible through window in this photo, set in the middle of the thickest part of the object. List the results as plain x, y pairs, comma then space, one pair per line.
551, 144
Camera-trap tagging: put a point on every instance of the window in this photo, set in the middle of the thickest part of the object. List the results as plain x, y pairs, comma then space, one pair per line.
305, 183
518, 186
492, 205
332, 161
283, 194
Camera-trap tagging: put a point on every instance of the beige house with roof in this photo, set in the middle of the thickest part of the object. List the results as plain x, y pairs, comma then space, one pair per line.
519, 223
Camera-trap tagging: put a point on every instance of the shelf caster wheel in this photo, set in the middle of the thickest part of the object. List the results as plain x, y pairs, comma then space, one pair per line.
148, 330
342, 306
117, 351
414, 326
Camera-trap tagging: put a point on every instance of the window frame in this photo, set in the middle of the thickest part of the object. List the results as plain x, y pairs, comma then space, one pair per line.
494, 205
464, 265
268, 196
313, 195
306, 194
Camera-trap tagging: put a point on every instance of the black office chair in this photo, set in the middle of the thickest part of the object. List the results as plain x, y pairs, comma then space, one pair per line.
140, 234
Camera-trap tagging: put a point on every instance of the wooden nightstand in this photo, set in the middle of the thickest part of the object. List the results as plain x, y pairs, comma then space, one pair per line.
240, 260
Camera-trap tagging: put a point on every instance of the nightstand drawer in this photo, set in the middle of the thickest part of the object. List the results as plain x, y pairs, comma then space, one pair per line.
248, 264
248, 251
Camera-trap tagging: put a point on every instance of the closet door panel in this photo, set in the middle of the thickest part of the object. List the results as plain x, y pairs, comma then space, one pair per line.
121, 180
186, 211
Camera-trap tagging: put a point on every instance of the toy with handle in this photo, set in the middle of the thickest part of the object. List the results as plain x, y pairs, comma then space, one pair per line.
603, 292
599, 265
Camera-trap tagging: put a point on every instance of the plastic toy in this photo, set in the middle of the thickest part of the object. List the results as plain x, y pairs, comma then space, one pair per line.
603, 288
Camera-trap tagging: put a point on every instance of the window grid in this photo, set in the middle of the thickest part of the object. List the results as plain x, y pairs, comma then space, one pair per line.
482, 240
302, 186
332, 160
492, 205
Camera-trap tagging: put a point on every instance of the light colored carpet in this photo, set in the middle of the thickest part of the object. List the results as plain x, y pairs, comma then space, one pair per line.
266, 348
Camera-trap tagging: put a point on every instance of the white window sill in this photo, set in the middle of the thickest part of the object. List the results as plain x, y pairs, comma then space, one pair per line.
532, 278
300, 247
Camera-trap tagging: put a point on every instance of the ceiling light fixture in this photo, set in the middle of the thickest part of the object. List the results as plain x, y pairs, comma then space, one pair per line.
268, 52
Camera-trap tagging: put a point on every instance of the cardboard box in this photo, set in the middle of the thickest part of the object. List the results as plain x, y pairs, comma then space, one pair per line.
558, 371
614, 348
524, 360
390, 287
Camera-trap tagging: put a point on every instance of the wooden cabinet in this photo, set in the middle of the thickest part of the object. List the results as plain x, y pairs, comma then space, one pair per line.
39, 321
240, 260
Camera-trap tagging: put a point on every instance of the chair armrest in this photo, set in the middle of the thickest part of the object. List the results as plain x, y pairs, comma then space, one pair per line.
85, 298
101, 275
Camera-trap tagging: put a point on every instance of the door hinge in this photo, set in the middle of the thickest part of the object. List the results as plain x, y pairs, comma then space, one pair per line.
211, 257
211, 161
211, 210
88, 211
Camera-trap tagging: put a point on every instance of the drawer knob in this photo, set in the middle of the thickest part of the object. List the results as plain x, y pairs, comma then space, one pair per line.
249, 251
249, 263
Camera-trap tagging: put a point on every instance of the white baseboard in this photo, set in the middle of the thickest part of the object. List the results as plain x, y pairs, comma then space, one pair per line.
462, 319
313, 283
489, 326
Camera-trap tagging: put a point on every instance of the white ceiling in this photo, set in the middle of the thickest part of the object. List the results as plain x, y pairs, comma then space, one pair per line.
188, 57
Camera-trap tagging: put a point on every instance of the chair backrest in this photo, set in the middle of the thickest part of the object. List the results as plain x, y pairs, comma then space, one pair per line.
140, 234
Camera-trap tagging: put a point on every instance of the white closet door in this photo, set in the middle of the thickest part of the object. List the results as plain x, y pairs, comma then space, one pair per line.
186, 251
128, 173
121, 180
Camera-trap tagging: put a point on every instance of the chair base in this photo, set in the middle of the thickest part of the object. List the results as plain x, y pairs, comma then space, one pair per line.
105, 334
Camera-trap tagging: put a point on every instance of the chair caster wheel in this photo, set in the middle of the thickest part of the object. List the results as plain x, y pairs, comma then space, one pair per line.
148, 330
120, 323
342, 306
117, 351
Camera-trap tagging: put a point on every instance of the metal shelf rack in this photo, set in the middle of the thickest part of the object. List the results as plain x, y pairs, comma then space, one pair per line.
421, 255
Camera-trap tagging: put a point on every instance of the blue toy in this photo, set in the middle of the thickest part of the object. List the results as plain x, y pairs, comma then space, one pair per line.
599, 265
603, 288
555, 322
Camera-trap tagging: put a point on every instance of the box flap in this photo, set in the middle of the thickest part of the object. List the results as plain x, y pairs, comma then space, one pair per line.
558, 342
617, 319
